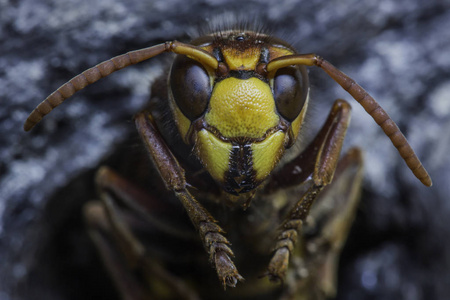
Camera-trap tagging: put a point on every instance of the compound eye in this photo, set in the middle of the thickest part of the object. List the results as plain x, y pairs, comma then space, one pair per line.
190, 85
290, 88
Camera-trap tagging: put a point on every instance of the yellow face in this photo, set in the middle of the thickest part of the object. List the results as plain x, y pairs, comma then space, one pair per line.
239, 120
242, 108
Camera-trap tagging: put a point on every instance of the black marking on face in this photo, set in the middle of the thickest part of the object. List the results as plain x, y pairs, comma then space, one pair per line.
264, 58
217, 52
240, 177
243, 74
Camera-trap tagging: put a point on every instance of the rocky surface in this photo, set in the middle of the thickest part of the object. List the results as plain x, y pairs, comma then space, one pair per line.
397, 49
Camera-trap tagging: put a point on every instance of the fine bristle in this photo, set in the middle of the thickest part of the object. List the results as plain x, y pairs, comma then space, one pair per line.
221, 25
236, 22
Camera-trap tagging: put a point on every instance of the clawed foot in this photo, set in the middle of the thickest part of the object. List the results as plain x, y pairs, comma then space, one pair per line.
286, 240
220, 254
277, 269
226, 270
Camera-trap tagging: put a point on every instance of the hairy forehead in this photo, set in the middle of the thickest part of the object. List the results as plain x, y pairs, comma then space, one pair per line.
242, 49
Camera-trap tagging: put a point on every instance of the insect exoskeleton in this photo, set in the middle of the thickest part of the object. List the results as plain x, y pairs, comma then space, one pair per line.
238, 99
240, 119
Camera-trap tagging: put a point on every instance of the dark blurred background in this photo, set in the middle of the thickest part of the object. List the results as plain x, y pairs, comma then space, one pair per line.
398, 50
